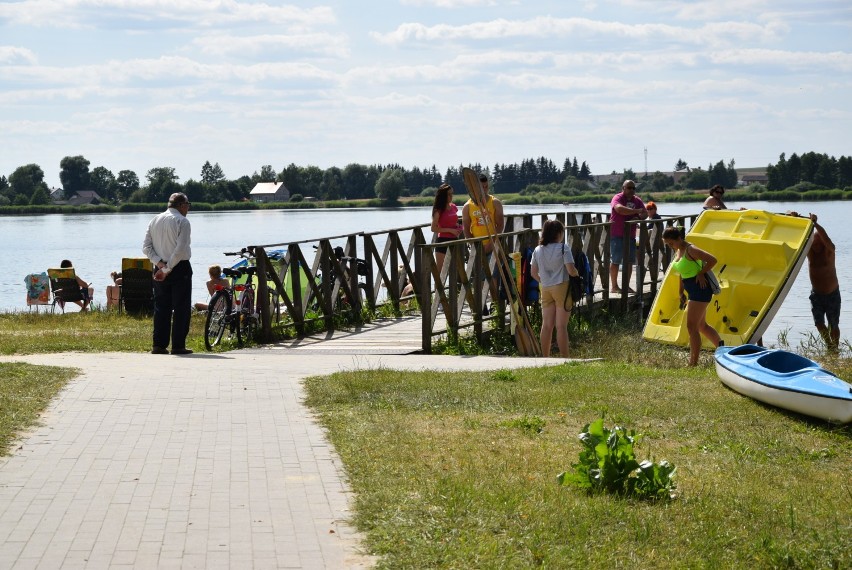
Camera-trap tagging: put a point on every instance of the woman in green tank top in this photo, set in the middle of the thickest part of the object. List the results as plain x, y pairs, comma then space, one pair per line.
691, 264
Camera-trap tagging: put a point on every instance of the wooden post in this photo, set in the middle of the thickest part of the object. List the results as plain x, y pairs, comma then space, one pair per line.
262, 262
423, 269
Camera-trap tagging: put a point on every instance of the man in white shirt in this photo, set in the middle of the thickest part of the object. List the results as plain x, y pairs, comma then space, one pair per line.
167, 246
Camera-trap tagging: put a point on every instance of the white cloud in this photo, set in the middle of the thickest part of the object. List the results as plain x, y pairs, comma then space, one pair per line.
317, 43
802, 60
166, 69
15, 55
536, 29
203, 13
450, 3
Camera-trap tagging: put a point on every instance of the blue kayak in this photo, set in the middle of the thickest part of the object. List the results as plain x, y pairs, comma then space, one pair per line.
786, 380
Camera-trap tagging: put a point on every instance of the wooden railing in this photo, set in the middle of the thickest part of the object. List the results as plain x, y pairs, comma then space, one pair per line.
458, 290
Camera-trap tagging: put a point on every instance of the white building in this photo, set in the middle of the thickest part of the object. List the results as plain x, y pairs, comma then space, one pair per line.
270, 192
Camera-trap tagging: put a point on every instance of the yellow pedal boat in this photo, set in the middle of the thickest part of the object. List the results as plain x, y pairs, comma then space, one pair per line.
759, 256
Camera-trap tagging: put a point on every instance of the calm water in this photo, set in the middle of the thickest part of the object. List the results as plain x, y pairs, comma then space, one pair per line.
96, 244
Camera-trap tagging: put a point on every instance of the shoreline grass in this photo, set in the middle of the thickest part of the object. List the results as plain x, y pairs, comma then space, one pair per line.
447, 472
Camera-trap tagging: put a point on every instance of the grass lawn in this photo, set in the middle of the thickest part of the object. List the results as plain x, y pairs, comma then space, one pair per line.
450, 470
92, 331
25, 391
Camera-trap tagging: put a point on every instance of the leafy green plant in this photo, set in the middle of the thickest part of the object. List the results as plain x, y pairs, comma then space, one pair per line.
531, 425
504, 376
608, 463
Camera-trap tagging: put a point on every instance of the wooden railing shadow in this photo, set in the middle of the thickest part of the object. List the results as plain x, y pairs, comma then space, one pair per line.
333, 279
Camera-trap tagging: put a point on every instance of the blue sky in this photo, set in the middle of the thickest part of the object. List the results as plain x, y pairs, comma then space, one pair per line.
139, 84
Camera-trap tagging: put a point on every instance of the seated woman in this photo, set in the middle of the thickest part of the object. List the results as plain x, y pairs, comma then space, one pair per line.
216, 279
87, 290
714, 200
113, 292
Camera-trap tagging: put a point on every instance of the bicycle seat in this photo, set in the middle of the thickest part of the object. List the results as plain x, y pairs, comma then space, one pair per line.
233, 273
250, 270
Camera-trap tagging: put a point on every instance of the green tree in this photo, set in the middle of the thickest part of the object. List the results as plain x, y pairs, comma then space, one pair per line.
292, 178
844, 172
162, 183
211, 174
311, 177
332, 184
718, 174
74, 175
733, 179
267, 174
103, 182
25, 180
697, 179
40, 196
660, 182
356, 182
825, 174
126, 183
681, 165
390, 185
198, 191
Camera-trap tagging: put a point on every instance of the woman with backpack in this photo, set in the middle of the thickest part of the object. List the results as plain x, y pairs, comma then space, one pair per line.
551, 265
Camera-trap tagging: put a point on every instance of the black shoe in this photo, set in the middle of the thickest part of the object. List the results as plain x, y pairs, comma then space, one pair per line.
181, 351
159, 350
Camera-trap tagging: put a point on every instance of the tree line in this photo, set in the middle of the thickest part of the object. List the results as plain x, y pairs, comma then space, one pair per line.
355, 181
811, 169
389, 182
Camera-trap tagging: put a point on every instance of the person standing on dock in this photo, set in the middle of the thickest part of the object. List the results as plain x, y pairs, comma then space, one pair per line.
474, 220
167, 245
825, 287
625, 206
445, 221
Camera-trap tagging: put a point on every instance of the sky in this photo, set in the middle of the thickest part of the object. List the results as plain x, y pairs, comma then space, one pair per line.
621, 84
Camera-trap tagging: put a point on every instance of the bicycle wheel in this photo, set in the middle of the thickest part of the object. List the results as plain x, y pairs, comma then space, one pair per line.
217, 317
247, 325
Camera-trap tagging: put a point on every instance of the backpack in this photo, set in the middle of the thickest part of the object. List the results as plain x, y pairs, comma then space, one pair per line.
583, 285
529, 286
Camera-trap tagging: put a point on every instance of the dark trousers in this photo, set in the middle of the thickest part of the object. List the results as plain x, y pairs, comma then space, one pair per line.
172, 307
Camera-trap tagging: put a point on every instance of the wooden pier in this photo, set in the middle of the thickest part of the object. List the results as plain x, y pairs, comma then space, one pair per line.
346, 273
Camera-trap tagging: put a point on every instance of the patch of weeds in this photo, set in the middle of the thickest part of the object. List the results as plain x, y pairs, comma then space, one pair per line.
608, 464
504, 376
530, 425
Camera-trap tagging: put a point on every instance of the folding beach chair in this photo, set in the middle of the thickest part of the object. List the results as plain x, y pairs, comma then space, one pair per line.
38, 290
64, 286
137, 286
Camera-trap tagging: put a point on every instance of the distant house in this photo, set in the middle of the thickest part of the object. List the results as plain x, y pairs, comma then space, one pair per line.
83, 198
748, 179
270, 192
57, 195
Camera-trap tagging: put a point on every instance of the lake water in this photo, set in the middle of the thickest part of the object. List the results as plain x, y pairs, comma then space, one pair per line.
95, 243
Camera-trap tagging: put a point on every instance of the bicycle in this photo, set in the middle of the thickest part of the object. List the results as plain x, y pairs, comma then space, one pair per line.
342, 302
232, 309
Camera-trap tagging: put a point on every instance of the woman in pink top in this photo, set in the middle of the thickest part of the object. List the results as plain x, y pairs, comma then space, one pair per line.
445, 220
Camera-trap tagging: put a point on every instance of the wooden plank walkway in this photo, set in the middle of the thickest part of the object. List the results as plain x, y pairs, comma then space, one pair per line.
395, 335
384, 336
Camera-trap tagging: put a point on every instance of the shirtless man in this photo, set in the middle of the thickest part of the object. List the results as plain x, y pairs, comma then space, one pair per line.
825, 288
